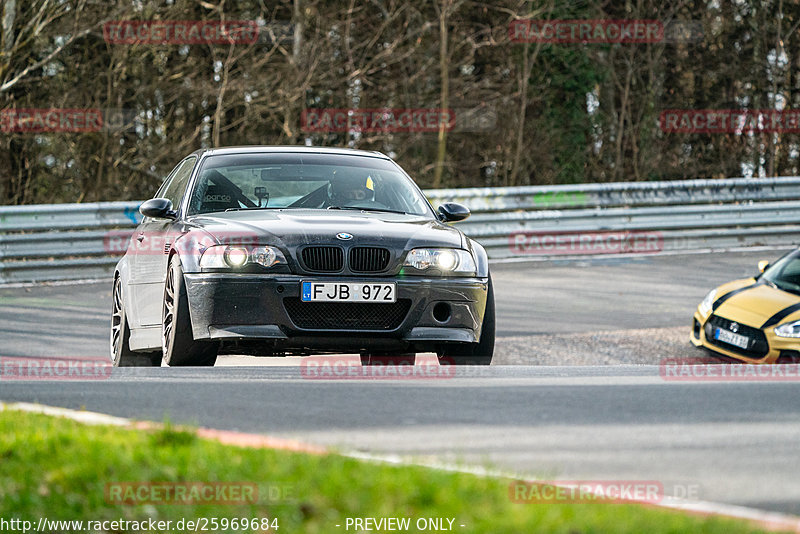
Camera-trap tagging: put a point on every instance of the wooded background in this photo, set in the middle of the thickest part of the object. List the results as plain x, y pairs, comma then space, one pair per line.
541, 113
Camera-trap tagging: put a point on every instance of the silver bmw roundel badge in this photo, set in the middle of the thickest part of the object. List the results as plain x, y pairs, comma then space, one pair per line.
344, 236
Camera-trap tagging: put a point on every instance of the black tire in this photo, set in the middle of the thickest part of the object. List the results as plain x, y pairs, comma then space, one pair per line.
480, 353
177, 341
121, 354
389, 359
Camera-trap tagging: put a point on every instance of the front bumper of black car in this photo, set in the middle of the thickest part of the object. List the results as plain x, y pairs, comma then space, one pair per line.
264, 313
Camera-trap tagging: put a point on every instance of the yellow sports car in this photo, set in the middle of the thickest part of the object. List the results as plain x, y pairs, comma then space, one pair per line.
755, 320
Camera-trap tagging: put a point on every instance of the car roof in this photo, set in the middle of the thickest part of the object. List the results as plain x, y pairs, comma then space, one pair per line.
294, 149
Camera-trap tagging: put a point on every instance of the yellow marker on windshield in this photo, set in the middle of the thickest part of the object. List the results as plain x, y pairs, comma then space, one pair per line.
370, 183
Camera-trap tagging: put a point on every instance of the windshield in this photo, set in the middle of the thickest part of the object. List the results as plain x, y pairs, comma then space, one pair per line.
304, 181
785, 273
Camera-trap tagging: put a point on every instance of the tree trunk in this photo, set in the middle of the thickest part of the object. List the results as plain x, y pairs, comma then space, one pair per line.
444, 97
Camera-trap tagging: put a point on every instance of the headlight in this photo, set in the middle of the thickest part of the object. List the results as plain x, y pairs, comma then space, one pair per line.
266, 256
788, 330
449, 260
235, 256
708, 302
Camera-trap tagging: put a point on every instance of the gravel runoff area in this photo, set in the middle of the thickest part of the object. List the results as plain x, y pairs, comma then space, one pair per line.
639, 346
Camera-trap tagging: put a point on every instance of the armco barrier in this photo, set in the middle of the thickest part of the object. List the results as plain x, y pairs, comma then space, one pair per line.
66, 241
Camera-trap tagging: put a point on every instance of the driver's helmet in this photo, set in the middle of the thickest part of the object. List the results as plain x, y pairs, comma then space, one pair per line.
347, 186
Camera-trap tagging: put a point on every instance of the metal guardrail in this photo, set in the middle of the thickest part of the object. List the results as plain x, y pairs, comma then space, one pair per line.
607, 195
70, 241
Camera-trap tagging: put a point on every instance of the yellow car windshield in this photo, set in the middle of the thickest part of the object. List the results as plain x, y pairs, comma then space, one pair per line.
785, 273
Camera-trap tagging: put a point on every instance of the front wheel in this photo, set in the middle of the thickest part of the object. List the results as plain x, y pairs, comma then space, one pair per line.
177, 340
480, 353
121, 354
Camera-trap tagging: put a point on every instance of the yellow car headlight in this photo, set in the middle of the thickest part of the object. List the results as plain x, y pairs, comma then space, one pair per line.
788, 330
708, 302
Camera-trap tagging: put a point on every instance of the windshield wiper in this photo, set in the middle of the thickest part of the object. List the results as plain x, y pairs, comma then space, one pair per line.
382, 210
782, 287
770, 283
256, 208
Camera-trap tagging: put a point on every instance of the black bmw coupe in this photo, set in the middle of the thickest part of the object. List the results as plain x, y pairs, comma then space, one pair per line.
274, 251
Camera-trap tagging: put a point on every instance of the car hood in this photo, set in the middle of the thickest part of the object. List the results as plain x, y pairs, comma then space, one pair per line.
293, 228
756, 304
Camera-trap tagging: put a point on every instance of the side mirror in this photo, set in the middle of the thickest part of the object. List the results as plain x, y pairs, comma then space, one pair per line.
452, 212
158, 208
762, 266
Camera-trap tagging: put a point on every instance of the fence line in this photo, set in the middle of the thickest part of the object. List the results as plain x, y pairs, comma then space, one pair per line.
70, 241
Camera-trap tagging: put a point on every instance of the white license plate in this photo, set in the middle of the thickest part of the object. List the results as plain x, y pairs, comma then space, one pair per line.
729, 337
385, 292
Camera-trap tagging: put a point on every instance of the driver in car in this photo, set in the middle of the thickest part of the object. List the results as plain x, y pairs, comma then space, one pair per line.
350, 188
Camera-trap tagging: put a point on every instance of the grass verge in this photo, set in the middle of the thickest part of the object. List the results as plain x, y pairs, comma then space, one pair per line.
61, 470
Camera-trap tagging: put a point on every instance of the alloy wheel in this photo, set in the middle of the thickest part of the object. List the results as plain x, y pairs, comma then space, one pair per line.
169, 313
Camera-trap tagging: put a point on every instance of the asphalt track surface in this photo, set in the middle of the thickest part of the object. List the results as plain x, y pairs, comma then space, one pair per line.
725, 441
